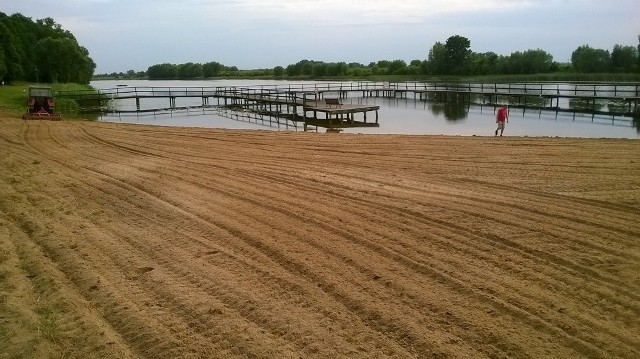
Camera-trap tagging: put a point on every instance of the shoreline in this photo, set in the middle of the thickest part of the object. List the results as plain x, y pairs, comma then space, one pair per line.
6, 114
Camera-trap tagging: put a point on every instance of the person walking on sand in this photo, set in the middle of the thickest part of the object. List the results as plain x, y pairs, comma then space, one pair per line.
501, 117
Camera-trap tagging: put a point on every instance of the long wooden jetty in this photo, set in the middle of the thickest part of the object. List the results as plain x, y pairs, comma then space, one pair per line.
298, 104
320, 104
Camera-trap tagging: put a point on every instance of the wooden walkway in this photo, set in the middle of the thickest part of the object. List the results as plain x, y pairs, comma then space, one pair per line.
308, 100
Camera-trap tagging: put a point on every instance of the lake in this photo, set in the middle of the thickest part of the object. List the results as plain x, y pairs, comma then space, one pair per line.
396, 116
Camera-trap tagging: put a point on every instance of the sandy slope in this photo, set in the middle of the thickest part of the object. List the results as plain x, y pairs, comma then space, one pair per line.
126, 241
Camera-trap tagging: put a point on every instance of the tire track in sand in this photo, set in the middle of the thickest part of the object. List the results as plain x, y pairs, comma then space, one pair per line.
405, 248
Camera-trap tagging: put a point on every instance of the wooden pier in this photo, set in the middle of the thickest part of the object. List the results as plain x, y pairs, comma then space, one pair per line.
338, 115
296, 104
320, 104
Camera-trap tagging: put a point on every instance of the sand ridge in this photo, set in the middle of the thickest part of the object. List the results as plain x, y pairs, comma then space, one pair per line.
135, 241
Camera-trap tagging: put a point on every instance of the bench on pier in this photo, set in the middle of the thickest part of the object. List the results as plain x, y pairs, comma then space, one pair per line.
332, 102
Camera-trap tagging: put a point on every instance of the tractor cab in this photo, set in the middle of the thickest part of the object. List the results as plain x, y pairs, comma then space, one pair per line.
40, 103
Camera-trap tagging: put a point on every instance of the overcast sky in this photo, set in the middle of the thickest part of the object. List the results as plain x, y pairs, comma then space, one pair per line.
126, 35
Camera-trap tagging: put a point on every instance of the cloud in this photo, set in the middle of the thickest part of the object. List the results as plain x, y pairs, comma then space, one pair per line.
74, 13
124, 34
350, 12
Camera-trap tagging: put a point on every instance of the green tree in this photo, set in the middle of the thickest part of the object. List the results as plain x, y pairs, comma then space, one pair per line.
63, 60
437, 59
278, 71
415, 67
49, 28
384, 64
41, 51
71, 61
12, 57
623, 58
456, 53
162, 71
292, 70
189, 70
537, 61
212, 69
397, 67
85, 66
530, 62
359, 70
3, 67
638, 52
337, 69
307, 67
25, 34
481, 63
302, 68
320, 69
587, 59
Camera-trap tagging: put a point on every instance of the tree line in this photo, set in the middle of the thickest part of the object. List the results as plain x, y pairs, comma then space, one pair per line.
41, 51
453, 57
189, 70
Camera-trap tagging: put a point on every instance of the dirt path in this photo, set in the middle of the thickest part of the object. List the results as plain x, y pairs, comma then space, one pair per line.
124, 241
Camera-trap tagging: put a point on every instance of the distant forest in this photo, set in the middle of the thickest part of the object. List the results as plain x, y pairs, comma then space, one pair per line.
41, 51
451, 58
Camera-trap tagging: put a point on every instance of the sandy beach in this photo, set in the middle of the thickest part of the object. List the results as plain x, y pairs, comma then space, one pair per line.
133, 241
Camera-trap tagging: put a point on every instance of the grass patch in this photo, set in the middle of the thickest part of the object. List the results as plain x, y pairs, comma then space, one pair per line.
13, 98
48, 327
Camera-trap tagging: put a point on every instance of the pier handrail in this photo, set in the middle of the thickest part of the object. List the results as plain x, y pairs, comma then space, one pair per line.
605, 90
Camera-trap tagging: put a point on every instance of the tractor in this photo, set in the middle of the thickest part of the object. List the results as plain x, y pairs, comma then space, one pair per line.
40, 104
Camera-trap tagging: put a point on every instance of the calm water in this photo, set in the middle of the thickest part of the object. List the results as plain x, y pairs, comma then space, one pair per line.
396, 116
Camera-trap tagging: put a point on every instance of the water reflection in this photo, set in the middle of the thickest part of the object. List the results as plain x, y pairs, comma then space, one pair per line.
452, 111
447, 114
586, 105
636, 124
413, 116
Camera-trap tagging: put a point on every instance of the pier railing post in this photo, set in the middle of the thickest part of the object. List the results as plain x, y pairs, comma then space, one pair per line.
629, 93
